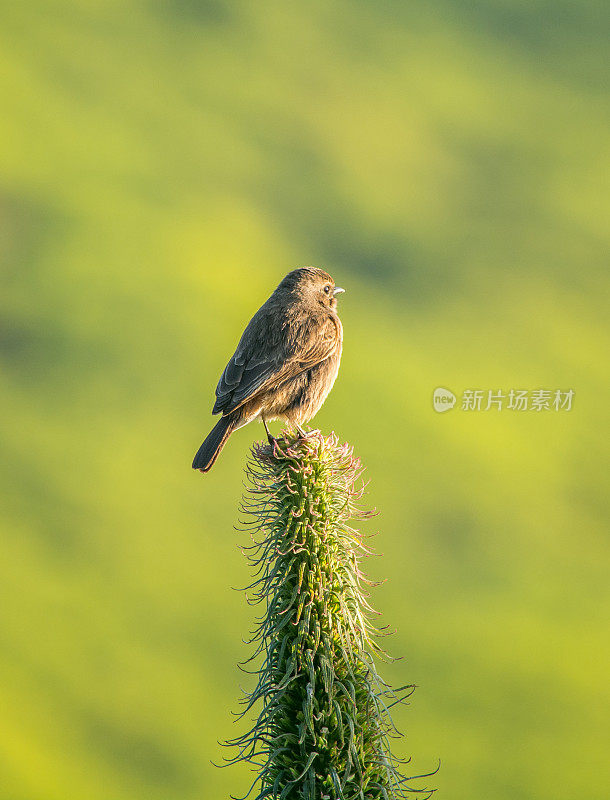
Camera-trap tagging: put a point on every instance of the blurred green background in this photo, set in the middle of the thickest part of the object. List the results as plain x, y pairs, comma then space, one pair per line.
163, 164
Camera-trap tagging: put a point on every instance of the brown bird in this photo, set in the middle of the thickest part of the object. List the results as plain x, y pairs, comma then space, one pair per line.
285, 364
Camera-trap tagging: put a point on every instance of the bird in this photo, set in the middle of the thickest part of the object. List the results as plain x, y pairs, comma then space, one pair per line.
285, 364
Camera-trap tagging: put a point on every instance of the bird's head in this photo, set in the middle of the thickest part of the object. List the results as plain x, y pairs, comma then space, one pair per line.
312, 284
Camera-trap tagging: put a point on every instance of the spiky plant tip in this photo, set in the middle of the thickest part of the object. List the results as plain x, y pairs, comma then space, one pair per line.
324, 727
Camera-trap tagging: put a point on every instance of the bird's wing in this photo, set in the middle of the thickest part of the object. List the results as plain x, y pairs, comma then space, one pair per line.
260, 363
241, 378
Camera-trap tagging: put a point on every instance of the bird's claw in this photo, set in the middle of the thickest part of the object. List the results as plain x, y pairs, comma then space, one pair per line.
306, 434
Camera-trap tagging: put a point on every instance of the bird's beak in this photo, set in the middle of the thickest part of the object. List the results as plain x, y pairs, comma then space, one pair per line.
338, 290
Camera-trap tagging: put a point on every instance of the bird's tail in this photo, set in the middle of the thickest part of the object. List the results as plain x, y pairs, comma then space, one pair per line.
213, 444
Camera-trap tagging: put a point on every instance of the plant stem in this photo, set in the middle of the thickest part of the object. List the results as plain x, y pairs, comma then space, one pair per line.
324, 728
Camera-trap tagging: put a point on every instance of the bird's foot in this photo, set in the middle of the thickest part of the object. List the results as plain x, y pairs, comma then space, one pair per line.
306, 434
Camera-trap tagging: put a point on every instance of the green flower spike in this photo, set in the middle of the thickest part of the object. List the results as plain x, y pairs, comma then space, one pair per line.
324, 729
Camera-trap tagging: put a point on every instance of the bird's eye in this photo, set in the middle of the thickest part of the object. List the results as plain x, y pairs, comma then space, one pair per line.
327, 288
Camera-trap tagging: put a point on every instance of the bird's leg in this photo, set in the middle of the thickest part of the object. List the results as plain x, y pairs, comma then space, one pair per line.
270, 438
